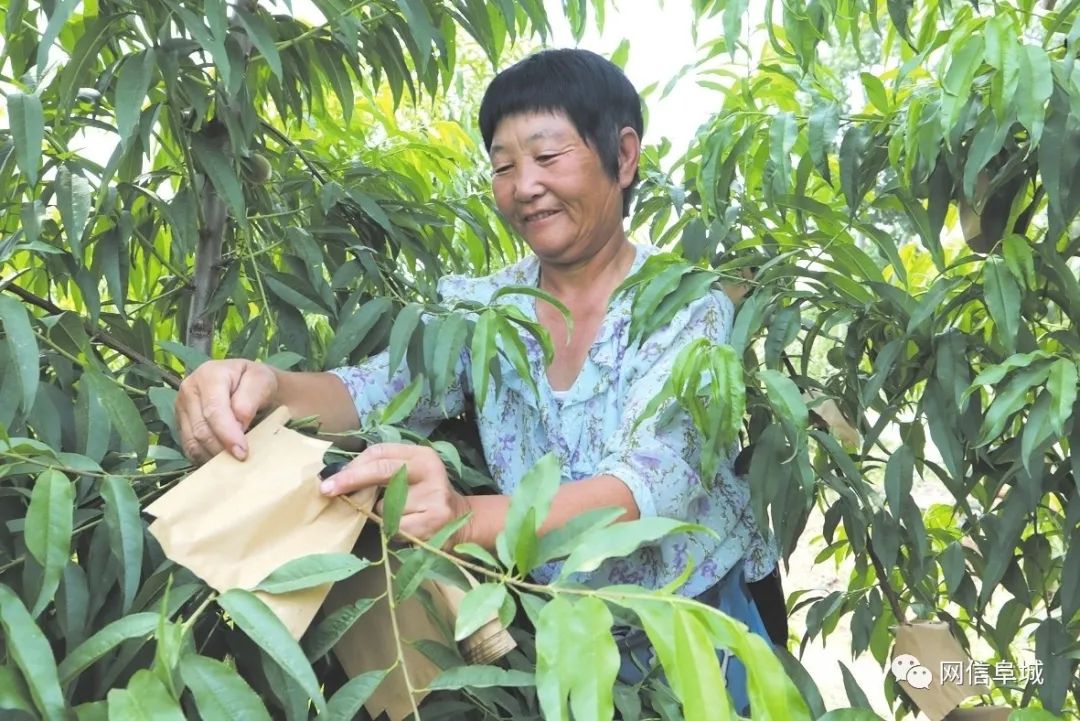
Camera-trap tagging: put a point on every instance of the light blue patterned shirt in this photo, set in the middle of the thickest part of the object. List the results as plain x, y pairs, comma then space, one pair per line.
590, 429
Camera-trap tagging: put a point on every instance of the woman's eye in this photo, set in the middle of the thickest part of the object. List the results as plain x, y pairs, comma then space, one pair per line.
501, 169
546, 157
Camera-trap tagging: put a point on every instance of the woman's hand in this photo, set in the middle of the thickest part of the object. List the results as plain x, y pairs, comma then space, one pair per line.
431, 502
217, 403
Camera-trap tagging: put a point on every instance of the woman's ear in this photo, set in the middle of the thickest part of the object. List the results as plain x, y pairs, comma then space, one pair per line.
629, 155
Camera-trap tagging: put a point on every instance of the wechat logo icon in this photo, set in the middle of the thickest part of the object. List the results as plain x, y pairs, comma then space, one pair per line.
907, 668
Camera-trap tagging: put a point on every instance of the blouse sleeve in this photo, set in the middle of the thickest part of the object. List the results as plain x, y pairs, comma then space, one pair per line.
372, 387
661, 463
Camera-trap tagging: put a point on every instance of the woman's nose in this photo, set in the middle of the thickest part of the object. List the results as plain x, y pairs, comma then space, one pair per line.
527, 184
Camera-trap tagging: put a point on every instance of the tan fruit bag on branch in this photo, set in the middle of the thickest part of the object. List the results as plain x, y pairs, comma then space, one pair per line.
930, 644
234, 522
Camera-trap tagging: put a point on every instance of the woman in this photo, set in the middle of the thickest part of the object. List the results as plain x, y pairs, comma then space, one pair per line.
563, 131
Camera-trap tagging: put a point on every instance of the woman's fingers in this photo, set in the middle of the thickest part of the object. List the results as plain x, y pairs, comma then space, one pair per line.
431, 502
216, 403
377, 464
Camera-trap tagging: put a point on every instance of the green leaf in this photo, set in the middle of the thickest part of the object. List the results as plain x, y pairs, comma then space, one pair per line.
649, 295
875, 92
701, 681
145, 699
192, 358
559, 542
73, 197
576, 658
1002, 296
952, 566
1019, 260
132, 84
620, 540
1032, 714
320, 641
394, 501
57, 19
898, 13
899, 475
213, 44
14, 696
453, 679
1037, 429
267, 631
1036, 84
49, 521
479, 606
27, 646
782, 134
1062, 385
218, 165
22, 347
261, 38
851, 687
821, 130
137, 625
290, 289
310, 571
483, 351
123, 413
402, 404
125, 533
786, 400
404, 326
984, 146
27, 122
353, 330
478, 552
448, 346
345, 704
219, 691
535, 491
852, 148
850, 714
1009, 400
963, 65
514, 350
421, 29
991, 375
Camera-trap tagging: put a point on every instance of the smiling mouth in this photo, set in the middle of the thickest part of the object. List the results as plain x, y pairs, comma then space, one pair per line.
543, 214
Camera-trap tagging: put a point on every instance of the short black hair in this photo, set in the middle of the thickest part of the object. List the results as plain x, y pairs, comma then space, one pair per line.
591, 90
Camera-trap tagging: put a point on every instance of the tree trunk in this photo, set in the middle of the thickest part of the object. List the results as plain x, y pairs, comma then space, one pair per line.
200, 329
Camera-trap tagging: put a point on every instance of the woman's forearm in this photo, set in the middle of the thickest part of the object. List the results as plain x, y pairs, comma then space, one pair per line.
572, 499
317, 394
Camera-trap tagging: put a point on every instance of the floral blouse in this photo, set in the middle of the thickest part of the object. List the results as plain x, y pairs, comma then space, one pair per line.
590, 428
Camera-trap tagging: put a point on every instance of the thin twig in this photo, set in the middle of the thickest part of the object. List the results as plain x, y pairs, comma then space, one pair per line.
394, 624
500, 577
884, 585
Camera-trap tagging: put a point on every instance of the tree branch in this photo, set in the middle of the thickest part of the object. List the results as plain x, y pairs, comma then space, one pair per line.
98, 334
200, 330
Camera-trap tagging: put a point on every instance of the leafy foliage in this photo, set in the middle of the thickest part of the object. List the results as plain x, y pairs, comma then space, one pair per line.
184, 180
912, 232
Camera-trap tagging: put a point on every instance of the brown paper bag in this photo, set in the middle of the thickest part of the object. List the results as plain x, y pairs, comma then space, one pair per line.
233, 522
370, 644
931, 644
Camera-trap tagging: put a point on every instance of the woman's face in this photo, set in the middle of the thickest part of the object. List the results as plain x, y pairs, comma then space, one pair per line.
551, 187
